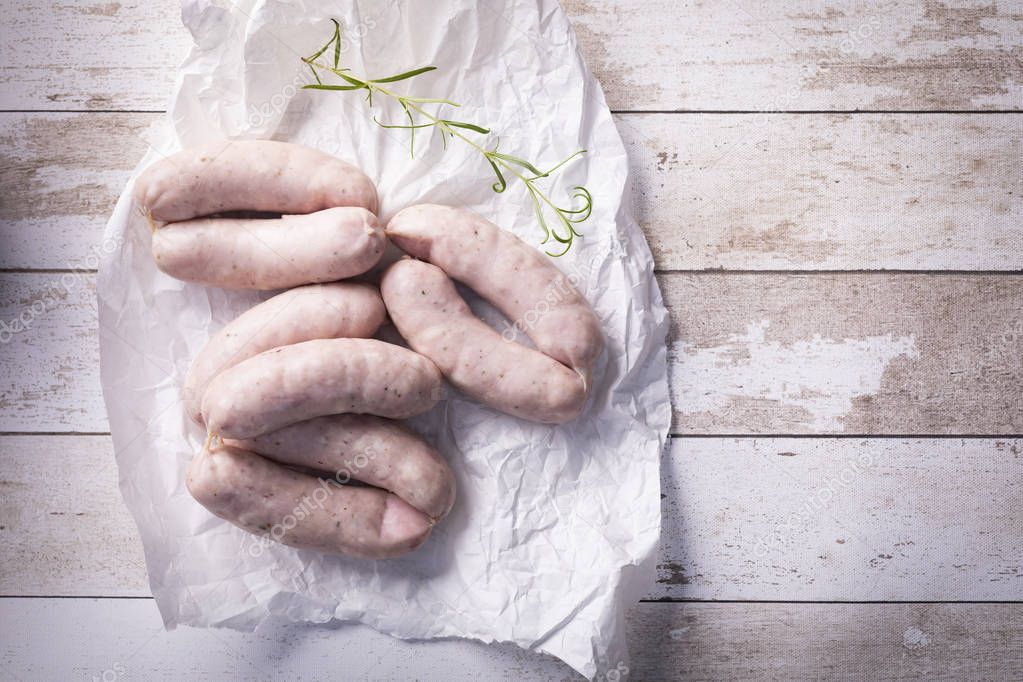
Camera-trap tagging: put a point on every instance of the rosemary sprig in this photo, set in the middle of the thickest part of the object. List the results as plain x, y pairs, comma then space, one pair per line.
563, 232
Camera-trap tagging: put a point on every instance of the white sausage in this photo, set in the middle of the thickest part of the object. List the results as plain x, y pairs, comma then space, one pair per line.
428, 312
370, 449
253, 175
317, 311
304, 511
273, 253
294, 383
516, 278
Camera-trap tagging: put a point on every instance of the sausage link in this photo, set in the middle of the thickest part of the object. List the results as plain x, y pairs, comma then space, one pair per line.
294, 383
316, 311
304, 511
253, 175
516, 278
428, 312
273, 253
370, 449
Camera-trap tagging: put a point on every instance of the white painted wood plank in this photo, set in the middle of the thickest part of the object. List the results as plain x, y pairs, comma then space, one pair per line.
776, 353
60, 178
59, 639
124, 639
803, 54
817, 519
845, 353
67, 54
64, 526
711, 191
49, 338
829, 192
760, 519
648, 54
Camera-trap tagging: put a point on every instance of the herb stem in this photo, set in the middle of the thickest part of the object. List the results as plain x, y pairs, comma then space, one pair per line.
501, 163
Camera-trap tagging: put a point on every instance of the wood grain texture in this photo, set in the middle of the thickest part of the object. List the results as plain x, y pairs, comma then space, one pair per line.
761, 519
845, 353
63, 522
829, 192
60, 177
777, 353
711, 191
818, 519
667, 642
93, 55
49, 379
802, 55
648, 54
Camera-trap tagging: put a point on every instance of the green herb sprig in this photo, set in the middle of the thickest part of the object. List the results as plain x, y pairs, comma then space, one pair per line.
563, 232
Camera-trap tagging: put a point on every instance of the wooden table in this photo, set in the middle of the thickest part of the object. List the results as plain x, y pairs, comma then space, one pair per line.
834, 198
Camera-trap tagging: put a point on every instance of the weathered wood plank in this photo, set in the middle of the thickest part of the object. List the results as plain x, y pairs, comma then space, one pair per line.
826, 641
49, 378
829, 192
774, 353
763, 519
846, 353
667, 642
746, 55
91, 55
819, 519
648, 54
61, 513
60, 177
711, 191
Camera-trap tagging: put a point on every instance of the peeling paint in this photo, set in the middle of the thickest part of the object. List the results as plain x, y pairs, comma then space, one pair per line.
821, 376
915, 638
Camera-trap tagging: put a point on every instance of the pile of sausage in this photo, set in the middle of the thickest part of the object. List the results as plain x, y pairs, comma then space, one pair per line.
296, 390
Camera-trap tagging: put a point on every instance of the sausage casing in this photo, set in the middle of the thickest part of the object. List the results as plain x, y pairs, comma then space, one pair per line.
316, 311
271, 253
366, 448
304, 511
249, 175
429, 313
297, 382
517, 279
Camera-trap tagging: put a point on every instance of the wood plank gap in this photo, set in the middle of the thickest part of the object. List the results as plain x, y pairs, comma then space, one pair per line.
820, 112
657, 271
860, 271
724, 436
83, 111
54, 433
847, 436
811, 602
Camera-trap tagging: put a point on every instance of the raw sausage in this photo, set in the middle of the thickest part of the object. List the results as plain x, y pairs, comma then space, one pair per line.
516, 278
370, 449
272, 253
294, 383
316, 311
304, 511
435, 320
252, 175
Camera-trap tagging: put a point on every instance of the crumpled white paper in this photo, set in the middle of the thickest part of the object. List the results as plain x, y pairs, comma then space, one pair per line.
555, 528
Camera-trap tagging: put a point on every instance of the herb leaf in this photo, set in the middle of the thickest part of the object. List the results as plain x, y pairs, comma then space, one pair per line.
563, 230
404, 76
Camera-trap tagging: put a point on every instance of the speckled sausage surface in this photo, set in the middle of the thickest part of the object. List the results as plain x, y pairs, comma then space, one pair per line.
311, 379
516, 278
304, 511
316, 311
428, 311
252, 175
273, 253
370, 449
